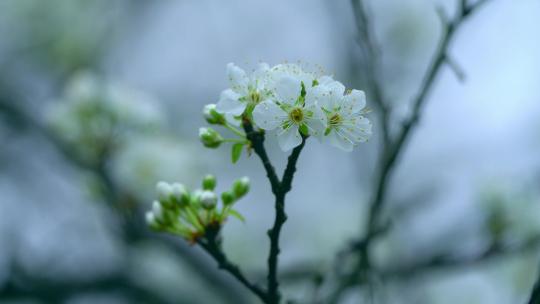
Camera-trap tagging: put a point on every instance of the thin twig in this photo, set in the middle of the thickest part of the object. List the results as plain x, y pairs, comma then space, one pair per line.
212, 245
280, 190
280, 218
257, 143
367, 43
392, 153
454, 262
393, 148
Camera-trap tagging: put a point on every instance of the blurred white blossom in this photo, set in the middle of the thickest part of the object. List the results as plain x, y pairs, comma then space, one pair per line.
144, 160
95, 116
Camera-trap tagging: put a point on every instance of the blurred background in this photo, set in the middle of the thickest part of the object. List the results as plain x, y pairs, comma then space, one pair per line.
75, 175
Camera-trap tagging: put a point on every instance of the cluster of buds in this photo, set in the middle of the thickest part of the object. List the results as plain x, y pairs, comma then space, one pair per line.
210, 138
191, 214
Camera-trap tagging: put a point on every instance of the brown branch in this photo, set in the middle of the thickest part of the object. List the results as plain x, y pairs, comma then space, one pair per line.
212, 245
280, 190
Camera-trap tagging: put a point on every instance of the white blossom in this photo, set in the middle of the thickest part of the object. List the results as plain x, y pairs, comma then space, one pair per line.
244, 89
288, 113
293, 103
347, 125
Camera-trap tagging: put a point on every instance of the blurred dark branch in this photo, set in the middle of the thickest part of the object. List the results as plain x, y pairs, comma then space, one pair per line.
134, 229
392, 152
535, 294
393, 146
24, 287
455, 262
371, 60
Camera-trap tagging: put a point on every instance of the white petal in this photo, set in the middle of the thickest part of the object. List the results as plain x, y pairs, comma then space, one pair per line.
317, 123
288, 89
354, 102
289, 138
335, 139
261, 70
229, 104
336, 87
317, 95
358, 129
259, 78
325, 80
335, 91
237, 77
267, 115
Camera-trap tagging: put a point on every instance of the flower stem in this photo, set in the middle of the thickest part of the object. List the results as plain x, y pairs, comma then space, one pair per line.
234, 140
234, 130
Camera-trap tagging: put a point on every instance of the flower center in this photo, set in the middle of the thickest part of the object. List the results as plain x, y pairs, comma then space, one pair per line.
335, 119
255, 96
296, 115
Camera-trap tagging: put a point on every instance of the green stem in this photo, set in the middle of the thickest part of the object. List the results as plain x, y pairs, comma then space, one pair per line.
233, 140
234, 130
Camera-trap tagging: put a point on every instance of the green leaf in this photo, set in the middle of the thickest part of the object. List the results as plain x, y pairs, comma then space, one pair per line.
237, 215
236, 152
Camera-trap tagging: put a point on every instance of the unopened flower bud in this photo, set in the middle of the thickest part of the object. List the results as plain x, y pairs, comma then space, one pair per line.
210, 137
151, 220
212, 116
157, 210
227, 198
195, 197
164, 191
209, 182
180, 193
208, 199
241, 187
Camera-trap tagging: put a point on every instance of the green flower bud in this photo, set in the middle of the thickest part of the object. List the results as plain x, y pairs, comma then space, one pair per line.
227, 198
209, 182
164, 191
241, 187
180, 193
212, 116
210, 137
208, 199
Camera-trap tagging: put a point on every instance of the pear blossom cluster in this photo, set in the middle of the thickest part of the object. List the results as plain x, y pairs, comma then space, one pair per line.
190, 214
94, 116
291, 103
